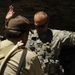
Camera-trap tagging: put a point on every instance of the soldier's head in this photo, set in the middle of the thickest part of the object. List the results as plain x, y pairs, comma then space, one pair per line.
18, 28
41, 21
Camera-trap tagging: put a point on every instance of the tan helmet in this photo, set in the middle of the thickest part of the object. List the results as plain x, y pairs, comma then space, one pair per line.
19, 23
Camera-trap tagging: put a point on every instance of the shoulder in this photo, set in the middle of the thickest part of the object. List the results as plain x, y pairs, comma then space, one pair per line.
31, 55
60, 32
5, 43
54, 31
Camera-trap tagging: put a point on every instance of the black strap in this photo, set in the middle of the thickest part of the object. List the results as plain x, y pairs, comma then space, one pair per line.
21, 61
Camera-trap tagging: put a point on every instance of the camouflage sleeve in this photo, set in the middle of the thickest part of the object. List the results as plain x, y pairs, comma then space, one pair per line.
72, 38
68, 38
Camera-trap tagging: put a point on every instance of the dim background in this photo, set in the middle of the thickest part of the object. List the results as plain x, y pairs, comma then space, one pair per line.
61, 12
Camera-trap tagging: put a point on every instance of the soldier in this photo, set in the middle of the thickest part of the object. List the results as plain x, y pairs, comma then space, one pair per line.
16, 59
50, 41
47, 43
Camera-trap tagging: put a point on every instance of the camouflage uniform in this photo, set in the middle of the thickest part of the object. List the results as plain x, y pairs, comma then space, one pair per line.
48, 47
29, 64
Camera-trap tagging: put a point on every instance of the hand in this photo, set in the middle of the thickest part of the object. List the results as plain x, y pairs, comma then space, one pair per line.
10, 13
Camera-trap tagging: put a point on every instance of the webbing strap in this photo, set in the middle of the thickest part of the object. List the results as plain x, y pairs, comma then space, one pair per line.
21, 61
